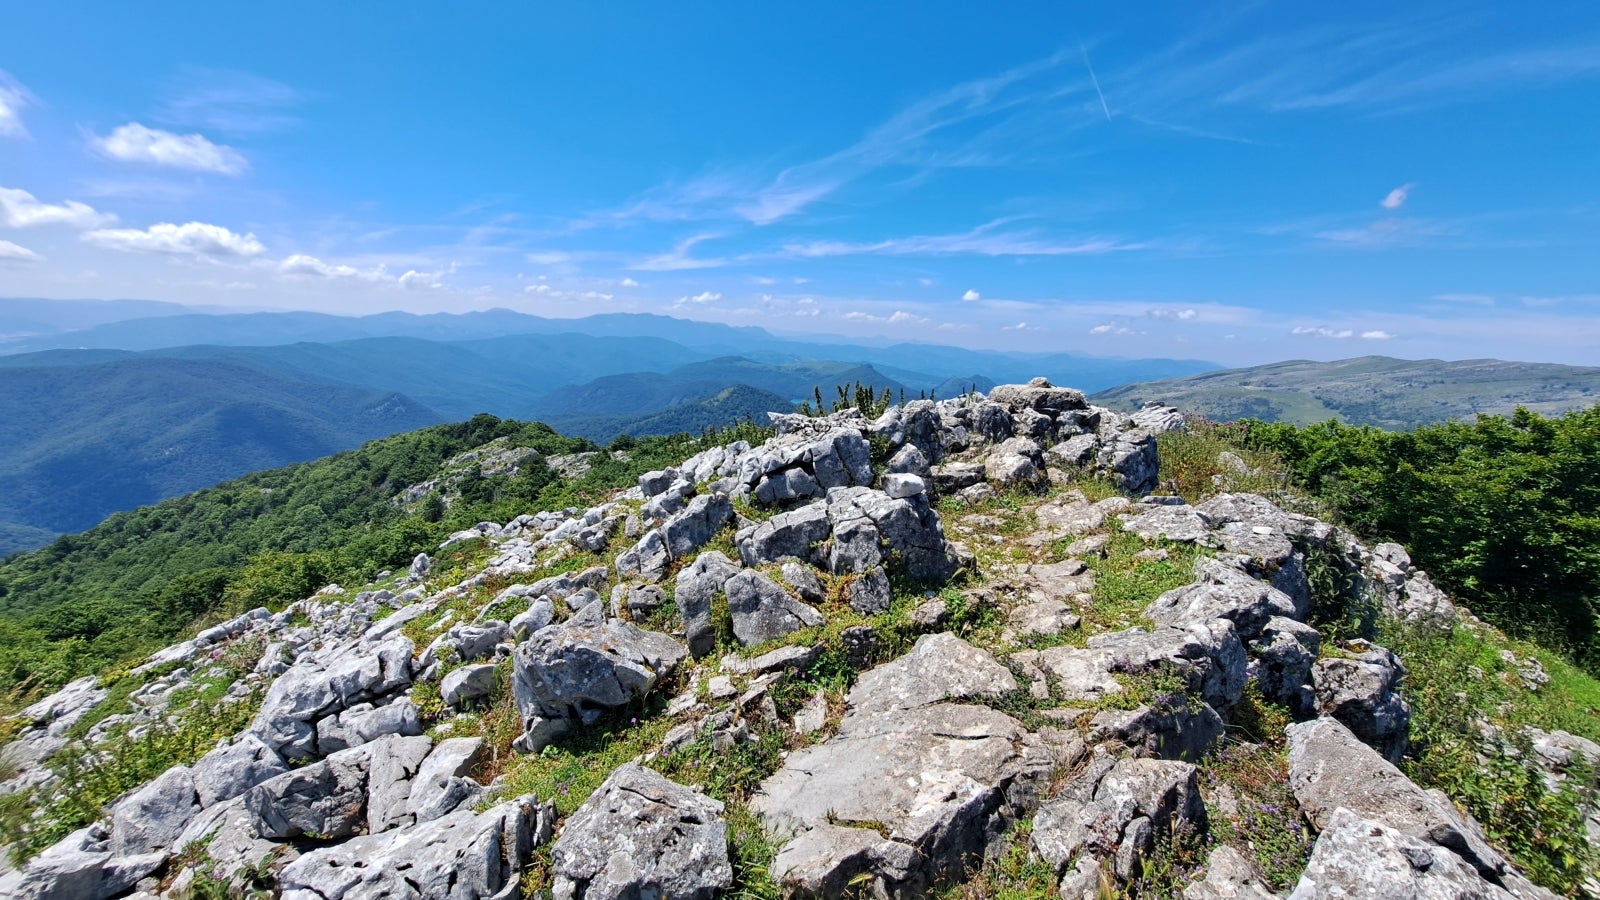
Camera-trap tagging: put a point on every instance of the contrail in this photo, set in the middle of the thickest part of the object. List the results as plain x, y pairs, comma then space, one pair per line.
1096, 81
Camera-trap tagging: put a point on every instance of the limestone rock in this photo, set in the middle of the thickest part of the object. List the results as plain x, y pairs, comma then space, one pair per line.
1357, 857
640, 835
1094, 810
939, 667
467, 684
1363, 691
577, 671
326, 799
1331, 769
763, 611
698, 585
462, 856
229, 771
153, 817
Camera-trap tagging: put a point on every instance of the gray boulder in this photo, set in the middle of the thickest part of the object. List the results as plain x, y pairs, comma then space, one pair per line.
791, 534
870, 525
1208, 654
229, 771
870, 593
540, 612
1358, 857
901, 485
1221, 591
939, 667
910, 460
578, 671
698, 585
153, 817
805, 582
77, 867
467, 684
1284, 654
1362, 690
641, 836
1038, 395
1131, 461
462, 856
364, 722
395, 764
763, 611
1176, 727
1173, 522
1229, 876
326, 799
1330, 770
1094, 812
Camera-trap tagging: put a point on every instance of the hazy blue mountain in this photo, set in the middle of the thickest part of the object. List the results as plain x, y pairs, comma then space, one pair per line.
641, 393
80, 442
1370, 390
725, 407
22, 318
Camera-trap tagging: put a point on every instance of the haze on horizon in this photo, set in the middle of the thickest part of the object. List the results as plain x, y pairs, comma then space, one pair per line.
1242, 182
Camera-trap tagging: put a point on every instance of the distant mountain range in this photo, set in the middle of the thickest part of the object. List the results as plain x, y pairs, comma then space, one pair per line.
113, 404
1394, 394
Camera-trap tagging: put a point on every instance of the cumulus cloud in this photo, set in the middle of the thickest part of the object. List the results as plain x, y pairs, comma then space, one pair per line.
194, 239
1320, 331
19, 209
12, 253
701, 298
13, 97
1376, 335
971, 295
413, 280
1182, 315
1397, 197
309, 266
136, 143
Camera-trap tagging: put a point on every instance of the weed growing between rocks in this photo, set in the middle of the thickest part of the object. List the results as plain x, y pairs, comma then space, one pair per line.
1486, 760
1015, 873
1249, 804
1129, 576
1205, 458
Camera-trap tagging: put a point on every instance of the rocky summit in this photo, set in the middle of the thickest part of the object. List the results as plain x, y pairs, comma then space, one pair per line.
897, 655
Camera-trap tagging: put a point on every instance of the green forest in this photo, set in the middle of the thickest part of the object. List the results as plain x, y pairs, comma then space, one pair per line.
1503, 512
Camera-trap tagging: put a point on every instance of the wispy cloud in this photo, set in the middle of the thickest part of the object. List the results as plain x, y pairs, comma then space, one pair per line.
193, 239
985, 240
898, 317
1467, 299
1182, 315
137, 143
13, 98
1094, 80
1376, 335
680, 259
20, 209
1113, 328
228, 101
15, 253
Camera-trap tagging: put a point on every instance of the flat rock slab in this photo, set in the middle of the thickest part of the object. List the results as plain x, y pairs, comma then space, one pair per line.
939, 667
641, 835
1356, 857
942, 783
1331, 769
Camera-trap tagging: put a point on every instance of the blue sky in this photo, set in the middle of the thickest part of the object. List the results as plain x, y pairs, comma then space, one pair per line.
1235, 182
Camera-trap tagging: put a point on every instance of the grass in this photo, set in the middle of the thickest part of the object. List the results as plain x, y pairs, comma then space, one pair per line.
1126, 583
1457, 668
1259, 816
1012, 874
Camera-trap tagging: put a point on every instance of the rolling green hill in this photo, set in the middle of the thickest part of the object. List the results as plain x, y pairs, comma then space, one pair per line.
78, 443
1395, 394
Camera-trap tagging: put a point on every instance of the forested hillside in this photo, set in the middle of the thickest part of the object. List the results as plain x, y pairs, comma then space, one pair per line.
127, 586
1504, 512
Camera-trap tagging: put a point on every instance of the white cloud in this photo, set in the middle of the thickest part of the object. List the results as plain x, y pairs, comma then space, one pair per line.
926, 282
545, 290
1397, 197
1469, 299
701, 298
13, 97
1376, 335
764, 280
1182, 315
413, 280
19, 209
12, 253
1020, 326
196, 239
971, 295
1111, 328
898, 317
1320, 331
628, 282
138, 144
309, 266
